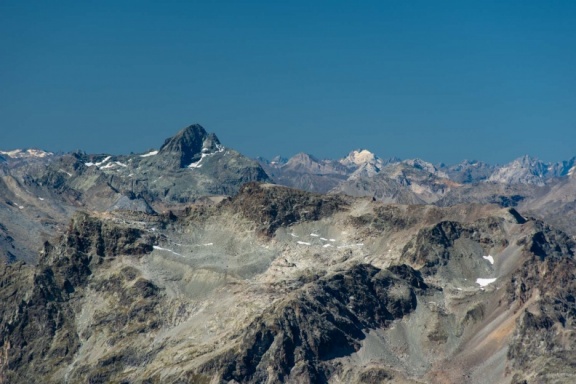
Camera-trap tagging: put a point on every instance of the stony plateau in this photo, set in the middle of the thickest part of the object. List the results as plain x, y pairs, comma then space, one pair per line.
186, 264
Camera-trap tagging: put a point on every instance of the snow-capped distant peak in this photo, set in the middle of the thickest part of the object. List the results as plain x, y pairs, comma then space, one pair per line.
359, 157
26, 153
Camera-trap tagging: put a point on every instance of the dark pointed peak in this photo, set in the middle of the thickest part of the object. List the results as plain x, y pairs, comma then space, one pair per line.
189, 144
189, 135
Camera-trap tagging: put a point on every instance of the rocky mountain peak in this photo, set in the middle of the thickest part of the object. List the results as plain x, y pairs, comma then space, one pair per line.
572, 172
303, 157
425, 166
278, 160
525, 169
563, 168
529, 162
188, 145
303, 161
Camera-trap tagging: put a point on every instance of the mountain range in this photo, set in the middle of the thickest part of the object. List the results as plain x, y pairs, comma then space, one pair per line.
545, 190
191, 263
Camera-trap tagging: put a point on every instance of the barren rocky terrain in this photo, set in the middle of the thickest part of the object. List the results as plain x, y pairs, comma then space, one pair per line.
186, 265
281, 285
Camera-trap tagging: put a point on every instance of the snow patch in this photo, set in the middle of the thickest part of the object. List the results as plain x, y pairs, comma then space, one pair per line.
103, 161
197, 163
90, 164
153, 153
41, 198
204, 154
165, 249
108, 166
484, 282
314, 235
303, 243
489, 258
293, 235
326, 245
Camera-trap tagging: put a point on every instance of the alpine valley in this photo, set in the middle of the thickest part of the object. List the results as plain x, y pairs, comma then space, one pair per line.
192, 263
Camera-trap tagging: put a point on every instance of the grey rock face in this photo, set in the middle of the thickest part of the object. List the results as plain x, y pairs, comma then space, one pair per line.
187, 146
525, 170
290, 341
132, 203
468, 172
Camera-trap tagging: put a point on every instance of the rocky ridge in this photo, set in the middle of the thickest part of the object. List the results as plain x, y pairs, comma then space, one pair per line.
40, 191
526, 183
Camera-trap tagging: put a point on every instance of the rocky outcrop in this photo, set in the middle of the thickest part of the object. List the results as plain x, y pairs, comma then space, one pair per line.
544, 290
271, 207
449, 242
468, 172
38, 329
291, 341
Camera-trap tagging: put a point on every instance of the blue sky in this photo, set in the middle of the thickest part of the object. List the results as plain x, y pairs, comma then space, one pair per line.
440, 80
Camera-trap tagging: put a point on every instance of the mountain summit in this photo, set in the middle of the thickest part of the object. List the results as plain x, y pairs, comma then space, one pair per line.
358, 157
188, 145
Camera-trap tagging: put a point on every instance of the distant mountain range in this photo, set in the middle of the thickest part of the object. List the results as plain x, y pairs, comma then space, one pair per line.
539, 188
364, 164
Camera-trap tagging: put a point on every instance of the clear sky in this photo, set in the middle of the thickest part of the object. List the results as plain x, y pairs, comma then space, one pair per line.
440, 80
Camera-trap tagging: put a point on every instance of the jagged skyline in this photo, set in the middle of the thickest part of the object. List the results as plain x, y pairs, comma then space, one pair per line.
443, 82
